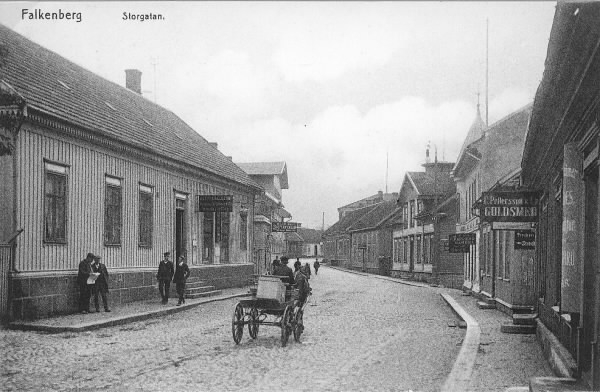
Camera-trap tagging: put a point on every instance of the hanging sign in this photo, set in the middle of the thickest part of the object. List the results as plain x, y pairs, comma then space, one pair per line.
214, 203
524, 239
509, 206
286, 227
460, 243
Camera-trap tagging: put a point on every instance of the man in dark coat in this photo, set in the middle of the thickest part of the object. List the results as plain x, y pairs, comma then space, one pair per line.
101, 285
284, 270
316, 265
164, 277
182, 272
85, 269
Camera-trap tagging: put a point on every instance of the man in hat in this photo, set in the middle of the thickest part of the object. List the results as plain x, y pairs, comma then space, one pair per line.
284, 270
101, 285
164, 276
182, 272
85, 269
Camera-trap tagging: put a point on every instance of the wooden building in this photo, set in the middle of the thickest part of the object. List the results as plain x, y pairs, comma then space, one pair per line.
371, 238
493, 267
560, 161
413, 241
89, 166
269, 208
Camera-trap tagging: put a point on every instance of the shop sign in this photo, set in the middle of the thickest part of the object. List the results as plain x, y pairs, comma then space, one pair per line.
286, 227
509, 206
214, 203
461, 243
524, 239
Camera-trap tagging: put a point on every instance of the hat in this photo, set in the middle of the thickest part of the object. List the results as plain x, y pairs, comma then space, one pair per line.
167, 254
90, 255
97, 257
284, 259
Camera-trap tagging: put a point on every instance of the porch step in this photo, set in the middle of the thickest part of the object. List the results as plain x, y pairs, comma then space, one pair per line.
203, 294
524, 318
195, 283
518, 329
517, 389
488, 300
485, 305
199, 289
553, 384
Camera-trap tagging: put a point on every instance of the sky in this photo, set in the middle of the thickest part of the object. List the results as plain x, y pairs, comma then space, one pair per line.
348, 94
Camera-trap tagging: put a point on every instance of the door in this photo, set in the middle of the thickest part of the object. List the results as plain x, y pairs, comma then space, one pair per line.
180, 227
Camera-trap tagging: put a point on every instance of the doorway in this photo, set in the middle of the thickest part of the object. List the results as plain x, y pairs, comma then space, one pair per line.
180, 226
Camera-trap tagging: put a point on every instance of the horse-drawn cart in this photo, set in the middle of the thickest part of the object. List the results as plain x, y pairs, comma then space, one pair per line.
274, 303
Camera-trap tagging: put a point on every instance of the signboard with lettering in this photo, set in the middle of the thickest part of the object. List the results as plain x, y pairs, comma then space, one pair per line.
509, 206
460, 243
524, 239
287, 227
214, 203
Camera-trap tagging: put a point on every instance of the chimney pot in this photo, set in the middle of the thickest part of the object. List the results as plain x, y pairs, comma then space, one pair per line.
133, 80
215, 145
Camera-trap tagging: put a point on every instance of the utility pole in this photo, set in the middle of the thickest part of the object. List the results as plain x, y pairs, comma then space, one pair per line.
487, 69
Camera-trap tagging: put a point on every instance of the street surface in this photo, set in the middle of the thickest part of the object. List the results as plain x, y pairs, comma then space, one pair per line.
362, 334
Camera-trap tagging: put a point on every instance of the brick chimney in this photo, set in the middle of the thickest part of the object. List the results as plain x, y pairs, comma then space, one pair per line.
133, 80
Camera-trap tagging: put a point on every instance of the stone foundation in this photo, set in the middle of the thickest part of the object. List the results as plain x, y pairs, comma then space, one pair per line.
35, 296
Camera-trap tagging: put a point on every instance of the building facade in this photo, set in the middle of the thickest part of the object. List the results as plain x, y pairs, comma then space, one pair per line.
90, 166
560, 161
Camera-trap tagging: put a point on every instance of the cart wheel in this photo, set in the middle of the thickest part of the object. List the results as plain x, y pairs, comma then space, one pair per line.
298, 323
253, 323
286, 325
237, 324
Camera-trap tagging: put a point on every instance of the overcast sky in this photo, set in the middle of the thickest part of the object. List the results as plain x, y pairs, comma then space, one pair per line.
328, 87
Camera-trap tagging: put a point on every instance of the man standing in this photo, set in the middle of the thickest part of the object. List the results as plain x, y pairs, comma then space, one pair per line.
85, 269
182, 272
164, 277
101, 285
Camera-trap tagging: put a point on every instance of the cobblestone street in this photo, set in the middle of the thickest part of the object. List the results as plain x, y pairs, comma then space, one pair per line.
361, 334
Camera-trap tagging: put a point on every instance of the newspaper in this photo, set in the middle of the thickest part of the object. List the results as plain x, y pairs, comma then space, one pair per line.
92, 278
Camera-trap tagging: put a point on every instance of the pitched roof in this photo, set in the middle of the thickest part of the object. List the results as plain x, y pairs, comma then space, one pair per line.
375, 216
293, 237
428, 185
310, 235
266, 169
347, 220
54, 86
475, 133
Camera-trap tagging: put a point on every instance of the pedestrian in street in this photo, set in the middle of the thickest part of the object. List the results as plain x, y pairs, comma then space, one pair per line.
316, 265
164, 276
306, 268
297, 266
182, 272
101, 285
275, 266
302, 285
85, 269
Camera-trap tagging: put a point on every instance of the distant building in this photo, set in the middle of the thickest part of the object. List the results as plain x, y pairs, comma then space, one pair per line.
312, 242
269, 208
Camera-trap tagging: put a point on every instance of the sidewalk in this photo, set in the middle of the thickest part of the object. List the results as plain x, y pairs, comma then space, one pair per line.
121, 314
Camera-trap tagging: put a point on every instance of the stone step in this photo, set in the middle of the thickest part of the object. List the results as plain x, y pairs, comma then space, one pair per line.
200, 289
517, 389
195, 283
485, 305
517, 329
488, 300
204, 294
524, 318
553, 384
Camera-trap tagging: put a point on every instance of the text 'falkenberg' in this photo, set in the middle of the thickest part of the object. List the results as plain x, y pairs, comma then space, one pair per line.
142, 17
38, 14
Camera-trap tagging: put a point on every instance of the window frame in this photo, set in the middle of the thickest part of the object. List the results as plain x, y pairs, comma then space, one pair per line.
60, 170
148, 191
108, 185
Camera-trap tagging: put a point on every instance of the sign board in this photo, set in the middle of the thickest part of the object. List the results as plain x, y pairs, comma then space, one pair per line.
461, 243
509, 206
286, 227
444, 245
512, 225
214, 203
524, 239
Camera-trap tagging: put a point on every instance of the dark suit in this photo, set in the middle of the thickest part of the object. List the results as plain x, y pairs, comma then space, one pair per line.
164, 276
181, 274
101, 285
85, 269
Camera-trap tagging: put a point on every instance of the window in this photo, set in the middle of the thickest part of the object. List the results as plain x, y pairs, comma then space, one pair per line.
244, 231
112, 212
146, 215
207, 237
55, 203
